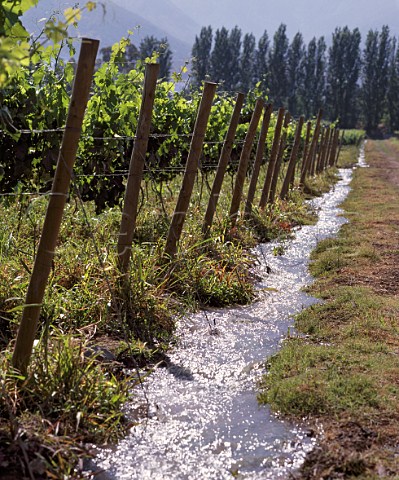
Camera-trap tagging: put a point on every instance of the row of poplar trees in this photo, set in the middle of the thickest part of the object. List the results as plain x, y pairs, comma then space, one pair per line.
359, 85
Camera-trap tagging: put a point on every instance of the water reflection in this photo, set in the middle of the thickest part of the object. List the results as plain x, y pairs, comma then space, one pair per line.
204, 421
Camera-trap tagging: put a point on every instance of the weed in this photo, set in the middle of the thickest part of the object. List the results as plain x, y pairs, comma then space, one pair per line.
278, 250
348, 156
67, 399
316, 186
330, 260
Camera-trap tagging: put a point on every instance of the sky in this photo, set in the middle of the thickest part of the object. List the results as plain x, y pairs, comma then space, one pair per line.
311, 17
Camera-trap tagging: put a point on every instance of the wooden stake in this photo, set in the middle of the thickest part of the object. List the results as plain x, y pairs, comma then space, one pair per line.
313, 160
190, 173
273, 157
319, 158
244, 160
132, 193
305, 152
222, 166
52, 222
340, 143
291, 164
313, 148
333, 152
258, 159
283, 142
326, 150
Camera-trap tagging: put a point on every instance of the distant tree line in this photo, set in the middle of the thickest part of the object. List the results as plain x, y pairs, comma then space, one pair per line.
357, 85
146, 49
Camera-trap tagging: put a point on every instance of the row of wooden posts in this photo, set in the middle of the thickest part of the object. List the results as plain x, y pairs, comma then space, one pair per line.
316, 157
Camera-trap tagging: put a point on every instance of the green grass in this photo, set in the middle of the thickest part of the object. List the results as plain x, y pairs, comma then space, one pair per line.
297, 386
353, 136
316, 186
342, 365
337, 365
75, 397
67, 396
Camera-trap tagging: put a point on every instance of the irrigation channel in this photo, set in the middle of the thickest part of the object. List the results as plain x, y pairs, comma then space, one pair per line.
203, 418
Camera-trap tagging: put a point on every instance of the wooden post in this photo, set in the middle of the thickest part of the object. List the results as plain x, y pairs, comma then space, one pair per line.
291, 164
59, 192
296, 164
223, 162
190, 173
132, 193
333, 152
258, 159
244, 160
283, 142
319, 159
305, 151
273, 157
313, 147
313, 160
326, 150
340, 143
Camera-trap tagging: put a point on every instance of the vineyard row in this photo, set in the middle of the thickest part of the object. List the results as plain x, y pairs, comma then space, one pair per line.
318, 152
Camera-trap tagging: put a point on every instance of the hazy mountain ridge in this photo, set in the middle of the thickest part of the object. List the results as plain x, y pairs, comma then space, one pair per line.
108, 25
166, 15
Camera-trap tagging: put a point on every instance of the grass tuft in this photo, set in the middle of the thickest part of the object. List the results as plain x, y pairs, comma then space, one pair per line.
68, 398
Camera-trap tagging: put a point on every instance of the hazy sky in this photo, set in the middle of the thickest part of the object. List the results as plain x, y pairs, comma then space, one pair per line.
311, 17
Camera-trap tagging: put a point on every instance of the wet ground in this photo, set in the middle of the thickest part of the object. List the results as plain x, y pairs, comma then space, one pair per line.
203, 420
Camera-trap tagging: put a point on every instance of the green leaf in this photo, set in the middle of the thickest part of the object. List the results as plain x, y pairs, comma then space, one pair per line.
91, 6
72, 15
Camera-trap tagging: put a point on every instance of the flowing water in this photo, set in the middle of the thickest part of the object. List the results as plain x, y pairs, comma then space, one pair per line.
203, 418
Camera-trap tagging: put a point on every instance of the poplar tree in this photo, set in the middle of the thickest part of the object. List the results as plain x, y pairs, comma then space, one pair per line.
306, 97
220, 56
319, 85
278, 67
376, 57
393, 88
247, 62
294, 72
201, 55
312, 89
344, 66
261, 62
233, 73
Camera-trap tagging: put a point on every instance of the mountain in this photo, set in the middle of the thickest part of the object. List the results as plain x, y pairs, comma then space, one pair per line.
109, 22
176, 21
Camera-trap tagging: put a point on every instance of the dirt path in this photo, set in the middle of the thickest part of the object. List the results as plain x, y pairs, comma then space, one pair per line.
365, 444
381, 275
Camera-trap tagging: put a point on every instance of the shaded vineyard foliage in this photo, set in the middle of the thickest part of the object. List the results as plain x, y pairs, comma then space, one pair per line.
34, 107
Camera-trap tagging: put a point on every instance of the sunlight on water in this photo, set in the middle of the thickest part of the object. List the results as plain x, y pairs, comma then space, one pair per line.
203, 418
